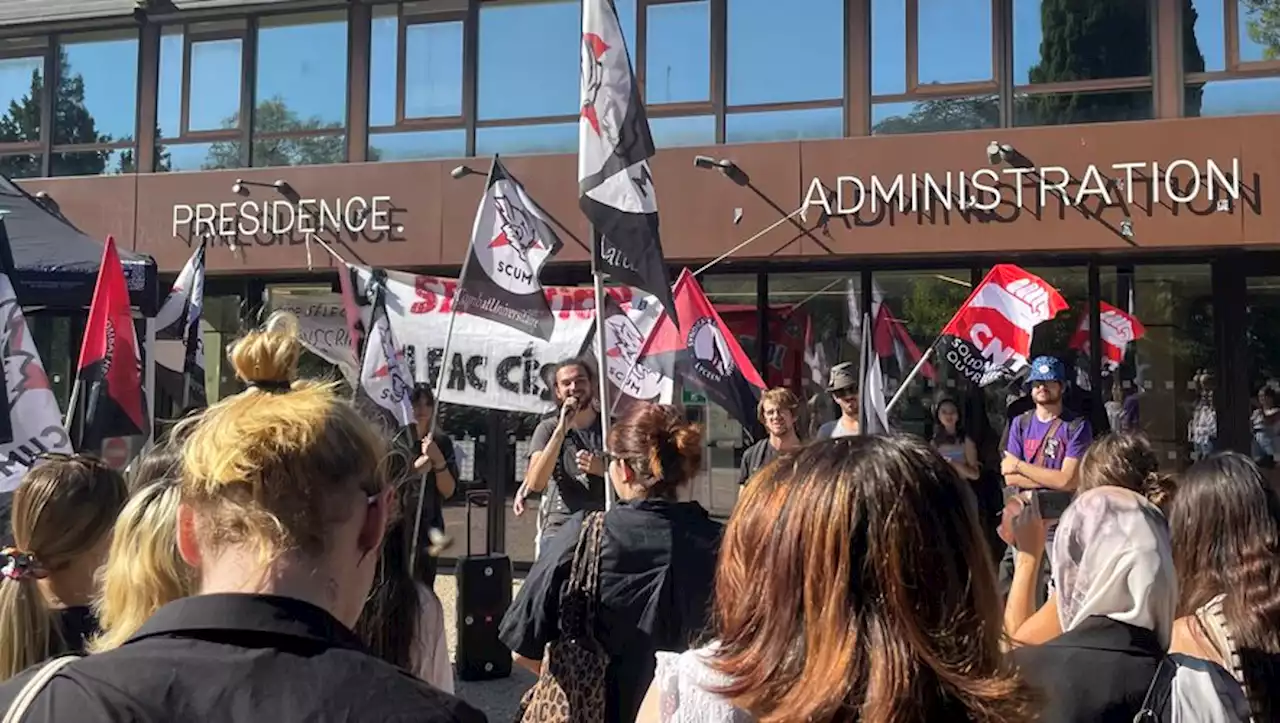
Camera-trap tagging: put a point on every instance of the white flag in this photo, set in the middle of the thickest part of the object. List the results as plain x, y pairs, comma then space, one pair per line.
384, 376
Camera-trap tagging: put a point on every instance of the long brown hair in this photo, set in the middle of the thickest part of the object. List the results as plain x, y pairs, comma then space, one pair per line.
854, 584
1124, 459
1225, 523
62, 511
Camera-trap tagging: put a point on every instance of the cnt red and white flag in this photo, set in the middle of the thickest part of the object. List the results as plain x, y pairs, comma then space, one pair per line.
990, 336
1118, 329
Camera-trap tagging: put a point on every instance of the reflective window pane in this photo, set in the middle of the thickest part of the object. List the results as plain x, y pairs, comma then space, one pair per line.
888, 47
678, 60
418, 145
529, 60
1155, 390
384, 47
93, 163
1064, 108
97, 94
784, 125
310, 151
1259, 30
627, 19
683, 131
1055, 42
169, 90
21, 165
20, 82
1206, 45
215, 84
785, 51
1245, 96
302, 59
953, 41
929, 116
433, 70
198, 156
510, 140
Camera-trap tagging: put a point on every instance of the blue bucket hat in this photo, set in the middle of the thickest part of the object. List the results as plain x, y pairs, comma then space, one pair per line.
1047, 369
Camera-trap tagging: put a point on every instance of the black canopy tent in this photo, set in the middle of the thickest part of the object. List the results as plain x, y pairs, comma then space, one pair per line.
54, 264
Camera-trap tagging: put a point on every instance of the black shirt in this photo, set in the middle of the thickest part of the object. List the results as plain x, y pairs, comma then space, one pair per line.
657, 564
432, 506
238, 658
754, 459
76, 626
568, 491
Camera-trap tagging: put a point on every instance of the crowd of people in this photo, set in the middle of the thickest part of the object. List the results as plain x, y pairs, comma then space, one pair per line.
256, 565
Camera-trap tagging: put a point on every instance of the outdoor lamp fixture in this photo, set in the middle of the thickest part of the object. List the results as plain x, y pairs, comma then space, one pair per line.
241, 187
730, 169
1126, 229
462, 172
998, 152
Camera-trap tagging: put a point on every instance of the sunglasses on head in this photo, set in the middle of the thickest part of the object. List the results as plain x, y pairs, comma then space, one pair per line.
88, 459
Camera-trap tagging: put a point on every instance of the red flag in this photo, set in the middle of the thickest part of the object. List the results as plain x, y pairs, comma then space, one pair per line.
109, 376
1118, 329
703, 350
990, 335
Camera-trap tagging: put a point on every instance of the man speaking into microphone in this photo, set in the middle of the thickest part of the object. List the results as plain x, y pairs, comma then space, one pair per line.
566, 463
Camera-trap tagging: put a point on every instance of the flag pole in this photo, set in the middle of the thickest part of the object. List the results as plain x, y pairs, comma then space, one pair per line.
915, 371
751, 240
444, 370
602, 370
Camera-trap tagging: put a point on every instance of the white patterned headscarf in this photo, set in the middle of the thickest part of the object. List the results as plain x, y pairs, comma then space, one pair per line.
1112, 557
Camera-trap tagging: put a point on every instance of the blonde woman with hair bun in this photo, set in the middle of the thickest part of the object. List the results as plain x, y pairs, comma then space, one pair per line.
282, 508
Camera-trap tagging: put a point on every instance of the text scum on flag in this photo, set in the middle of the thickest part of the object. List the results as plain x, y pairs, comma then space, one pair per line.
510, 242
624, 335
990, 336
615, 184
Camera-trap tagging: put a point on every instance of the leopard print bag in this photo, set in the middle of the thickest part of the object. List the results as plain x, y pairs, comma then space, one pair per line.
571, 687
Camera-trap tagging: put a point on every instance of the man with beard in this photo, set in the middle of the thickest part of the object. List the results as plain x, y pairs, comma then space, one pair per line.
567, 461
777, 412
843, 386
1044, 448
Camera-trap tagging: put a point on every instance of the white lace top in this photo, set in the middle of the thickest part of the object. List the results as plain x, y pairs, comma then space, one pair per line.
683, 680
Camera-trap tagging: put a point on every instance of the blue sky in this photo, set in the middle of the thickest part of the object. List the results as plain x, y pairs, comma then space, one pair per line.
529, 64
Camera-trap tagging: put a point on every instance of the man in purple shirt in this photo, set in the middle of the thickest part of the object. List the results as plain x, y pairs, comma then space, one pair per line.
1043, 450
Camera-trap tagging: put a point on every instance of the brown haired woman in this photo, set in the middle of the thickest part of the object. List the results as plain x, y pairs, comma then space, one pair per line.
63, 512
1225, 522
854, 585
657, 561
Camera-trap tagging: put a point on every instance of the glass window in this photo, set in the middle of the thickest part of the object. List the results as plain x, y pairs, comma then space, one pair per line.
785, 51
107, 162
418, 145
1206, 45
384, 50
97, 94
209, 59
1100, 107
546, 138
953, 41
433, 70
198, 156
1258, 31
678, 55
784, 125
301, 60
529, 60
680, 131
928, 116
1154, 388
1056, 42
301, 151
888, 47
809, 332
21, 165
21, 81
1244, 96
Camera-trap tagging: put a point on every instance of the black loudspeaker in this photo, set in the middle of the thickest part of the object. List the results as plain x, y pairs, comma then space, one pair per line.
484, 594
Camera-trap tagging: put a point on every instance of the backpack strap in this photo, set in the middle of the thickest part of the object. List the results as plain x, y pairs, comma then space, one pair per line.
18, 708
1158, 692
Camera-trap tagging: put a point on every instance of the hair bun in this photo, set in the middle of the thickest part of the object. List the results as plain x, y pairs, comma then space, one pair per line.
269, 357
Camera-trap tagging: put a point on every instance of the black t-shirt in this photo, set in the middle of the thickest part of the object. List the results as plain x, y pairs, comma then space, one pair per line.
569, 491
754, 459
76, 625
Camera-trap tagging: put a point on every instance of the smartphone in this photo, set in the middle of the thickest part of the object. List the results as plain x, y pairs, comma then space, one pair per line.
1052, 503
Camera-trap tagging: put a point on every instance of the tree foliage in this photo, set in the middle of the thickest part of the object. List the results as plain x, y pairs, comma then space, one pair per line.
72, 124
948, 114
1264, 25
274, 116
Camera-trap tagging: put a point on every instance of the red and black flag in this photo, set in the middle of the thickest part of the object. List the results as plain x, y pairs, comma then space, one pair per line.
989, 338
615, 185
700, 348
109, 398
510, 242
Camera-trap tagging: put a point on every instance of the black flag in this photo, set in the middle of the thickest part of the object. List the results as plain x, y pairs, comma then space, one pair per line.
615, 185
510, 242
179, 318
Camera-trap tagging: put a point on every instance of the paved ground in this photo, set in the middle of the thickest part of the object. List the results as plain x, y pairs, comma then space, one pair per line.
499, 699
